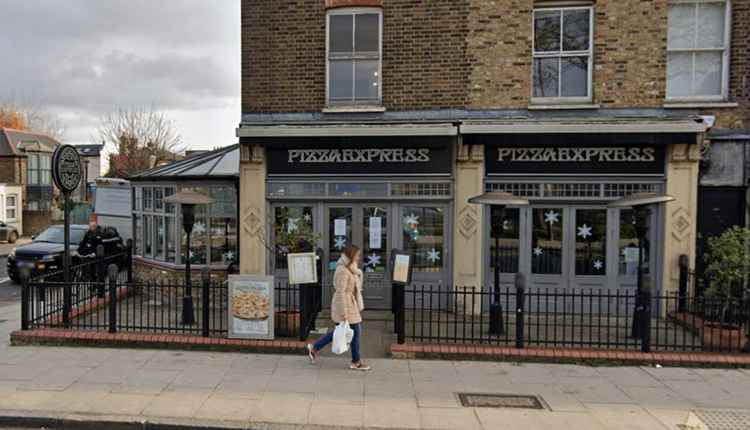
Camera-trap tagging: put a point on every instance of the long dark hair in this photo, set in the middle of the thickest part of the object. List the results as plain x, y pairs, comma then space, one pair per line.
350, 252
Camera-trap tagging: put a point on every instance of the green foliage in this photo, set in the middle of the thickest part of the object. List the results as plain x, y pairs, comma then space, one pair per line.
728, 262
302, 238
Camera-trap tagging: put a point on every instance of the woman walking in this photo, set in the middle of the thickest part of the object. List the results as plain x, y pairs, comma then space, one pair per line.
346, 306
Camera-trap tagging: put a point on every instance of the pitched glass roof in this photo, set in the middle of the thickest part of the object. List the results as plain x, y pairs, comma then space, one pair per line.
223, 163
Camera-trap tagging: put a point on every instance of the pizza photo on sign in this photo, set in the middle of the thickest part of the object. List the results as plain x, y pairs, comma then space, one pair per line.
250, 305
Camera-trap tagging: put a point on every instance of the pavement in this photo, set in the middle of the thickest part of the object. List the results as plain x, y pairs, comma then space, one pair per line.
286, 392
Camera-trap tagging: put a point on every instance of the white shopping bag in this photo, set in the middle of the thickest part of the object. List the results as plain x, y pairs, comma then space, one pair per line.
342, 337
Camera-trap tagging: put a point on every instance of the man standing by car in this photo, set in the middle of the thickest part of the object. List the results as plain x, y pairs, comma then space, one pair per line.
92, 239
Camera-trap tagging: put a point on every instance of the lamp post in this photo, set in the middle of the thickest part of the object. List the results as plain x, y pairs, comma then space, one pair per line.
642, 204
188, 199
500, 200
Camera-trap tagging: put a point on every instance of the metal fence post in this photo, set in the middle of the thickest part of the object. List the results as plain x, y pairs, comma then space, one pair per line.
646, 321
112, 281
400, 313
206, 300
129, 260
684, 264
520, 305
100, 275
25, 296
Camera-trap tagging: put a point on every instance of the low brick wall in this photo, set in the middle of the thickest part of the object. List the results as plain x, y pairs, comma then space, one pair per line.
568, 356
148, 271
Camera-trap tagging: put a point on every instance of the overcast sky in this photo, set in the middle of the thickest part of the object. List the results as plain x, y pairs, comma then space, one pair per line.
84, 58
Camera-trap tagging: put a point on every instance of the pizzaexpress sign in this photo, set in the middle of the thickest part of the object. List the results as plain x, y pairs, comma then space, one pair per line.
361, 156
541, 160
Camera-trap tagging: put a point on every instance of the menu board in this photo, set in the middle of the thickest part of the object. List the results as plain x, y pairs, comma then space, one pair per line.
401, 268
251, 308
302, 268
376, 232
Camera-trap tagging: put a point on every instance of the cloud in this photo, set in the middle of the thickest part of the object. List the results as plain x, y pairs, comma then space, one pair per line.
84, 58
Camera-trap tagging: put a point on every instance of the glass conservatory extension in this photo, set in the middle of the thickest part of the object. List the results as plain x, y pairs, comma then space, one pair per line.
157, 226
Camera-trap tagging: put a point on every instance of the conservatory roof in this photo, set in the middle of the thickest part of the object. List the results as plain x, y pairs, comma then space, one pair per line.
222, 163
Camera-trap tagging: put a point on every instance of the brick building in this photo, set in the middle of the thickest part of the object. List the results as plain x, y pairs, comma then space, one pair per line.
374, 122
26, 160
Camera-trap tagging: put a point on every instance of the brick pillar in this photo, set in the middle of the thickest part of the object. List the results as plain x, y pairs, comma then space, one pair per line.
253, 233
468, 231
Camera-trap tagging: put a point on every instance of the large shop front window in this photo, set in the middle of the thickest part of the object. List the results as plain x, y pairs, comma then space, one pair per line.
562, 53
424, 236
354, 59
506, 232
158, 231
697, 49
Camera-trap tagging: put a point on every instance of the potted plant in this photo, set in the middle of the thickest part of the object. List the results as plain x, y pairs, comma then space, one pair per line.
725, 303
292, 234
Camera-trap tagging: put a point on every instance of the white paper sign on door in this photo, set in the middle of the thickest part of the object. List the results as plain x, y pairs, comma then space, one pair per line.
376, 232
339, 227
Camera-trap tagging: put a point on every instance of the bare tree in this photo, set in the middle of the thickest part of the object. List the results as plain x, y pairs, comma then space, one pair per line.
31, 117
138, 138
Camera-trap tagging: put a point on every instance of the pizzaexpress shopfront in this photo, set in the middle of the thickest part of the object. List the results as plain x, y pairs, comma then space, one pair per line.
381, 189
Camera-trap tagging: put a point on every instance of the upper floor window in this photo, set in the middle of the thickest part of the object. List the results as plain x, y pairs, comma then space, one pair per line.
39, 168
698, 49
354, 56
562, 53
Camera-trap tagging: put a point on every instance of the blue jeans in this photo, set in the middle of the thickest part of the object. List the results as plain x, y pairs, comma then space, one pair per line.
328, 338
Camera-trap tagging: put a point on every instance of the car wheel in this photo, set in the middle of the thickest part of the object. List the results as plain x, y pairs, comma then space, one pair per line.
12, 237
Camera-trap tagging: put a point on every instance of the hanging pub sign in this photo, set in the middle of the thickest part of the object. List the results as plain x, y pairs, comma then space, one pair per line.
66, 168
594, 154
360, 156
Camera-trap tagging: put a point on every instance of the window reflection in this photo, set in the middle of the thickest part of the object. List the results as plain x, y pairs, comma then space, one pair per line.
591, 242
547, 241
509, 234
423, 236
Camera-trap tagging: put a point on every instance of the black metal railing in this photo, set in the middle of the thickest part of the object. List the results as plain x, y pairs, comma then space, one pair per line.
571, 318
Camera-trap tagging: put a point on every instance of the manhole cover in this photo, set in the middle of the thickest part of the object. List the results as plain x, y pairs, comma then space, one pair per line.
723, 420
472, 400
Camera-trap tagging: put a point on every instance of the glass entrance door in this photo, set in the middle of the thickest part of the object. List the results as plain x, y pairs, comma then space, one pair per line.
366, 226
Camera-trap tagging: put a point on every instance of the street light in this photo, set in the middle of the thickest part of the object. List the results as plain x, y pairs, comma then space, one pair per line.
642, 204
500, 200
188, 199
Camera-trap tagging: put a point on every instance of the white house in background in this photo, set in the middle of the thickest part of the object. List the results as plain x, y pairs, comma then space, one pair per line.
11, 207
92, 165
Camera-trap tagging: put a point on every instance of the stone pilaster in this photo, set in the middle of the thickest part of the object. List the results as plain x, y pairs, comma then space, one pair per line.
468, 253
681, 215
253, 235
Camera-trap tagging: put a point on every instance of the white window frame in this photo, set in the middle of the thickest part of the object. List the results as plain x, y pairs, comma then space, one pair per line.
9, 207
724, 58
354, 11
561, 54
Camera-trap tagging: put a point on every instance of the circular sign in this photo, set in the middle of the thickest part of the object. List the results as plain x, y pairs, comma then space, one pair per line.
66, 168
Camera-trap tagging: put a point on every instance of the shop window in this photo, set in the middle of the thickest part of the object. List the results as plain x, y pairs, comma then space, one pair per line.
198, 238
562, 53
11, 207
354, 60
339, 233
147, 236
547, 241
137, 235
170, 239
591, 242
508, 231
169, 207
296, 189
697, 49
290, 222
159, 230
359, 189
158, 199
424, 237
628, 249
147, 199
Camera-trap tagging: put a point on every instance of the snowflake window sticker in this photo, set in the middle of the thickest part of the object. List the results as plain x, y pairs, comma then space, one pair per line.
373, 260
292, 225
552, 217
308, 218
199, 228
598, 264
411, 220
433, 256
538, 251
339, 243
229, 256
584, 231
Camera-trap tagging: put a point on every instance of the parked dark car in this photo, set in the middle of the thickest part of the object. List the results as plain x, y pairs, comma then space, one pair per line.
45, 253
8, 233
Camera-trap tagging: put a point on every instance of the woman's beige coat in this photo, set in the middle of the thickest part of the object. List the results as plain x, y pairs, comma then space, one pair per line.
347, 303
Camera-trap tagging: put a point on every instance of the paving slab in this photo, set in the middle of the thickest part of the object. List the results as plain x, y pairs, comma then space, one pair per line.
120, 404
176, 404
226, 409
401, 414
323, 412
285, 408
449, 419
625, 417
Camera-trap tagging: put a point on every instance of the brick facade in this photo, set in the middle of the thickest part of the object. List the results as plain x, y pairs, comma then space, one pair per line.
473, 54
